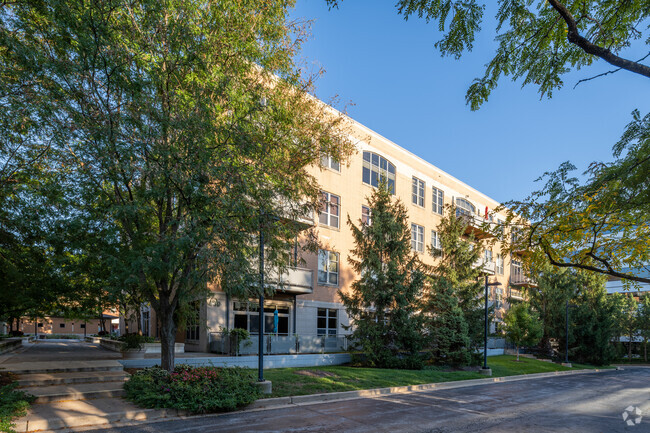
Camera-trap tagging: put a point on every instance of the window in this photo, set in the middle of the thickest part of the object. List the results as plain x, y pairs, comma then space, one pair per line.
499, 264
146, 315
377, 168
365, 215
488, 256
418, 192
435, 240
40, 325
516, 271
417, 238
192, 329
61, 325
329, 211
328, 161
438, 200
247, 317
327, 321
464, 207
328, 268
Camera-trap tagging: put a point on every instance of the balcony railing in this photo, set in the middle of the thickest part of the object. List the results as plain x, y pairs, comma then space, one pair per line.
516, 294
475, 225
521, 280
221, 342
295, 281
485, 267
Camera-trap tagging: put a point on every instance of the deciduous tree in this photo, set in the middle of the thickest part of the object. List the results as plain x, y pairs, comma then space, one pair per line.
183, 128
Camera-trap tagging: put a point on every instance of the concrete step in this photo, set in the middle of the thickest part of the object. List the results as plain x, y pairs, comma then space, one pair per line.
80, 391
48, 379
83, 413
62, 367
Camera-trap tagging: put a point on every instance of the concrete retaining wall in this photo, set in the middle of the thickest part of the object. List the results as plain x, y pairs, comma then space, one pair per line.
116, 346
9, 344
270, 361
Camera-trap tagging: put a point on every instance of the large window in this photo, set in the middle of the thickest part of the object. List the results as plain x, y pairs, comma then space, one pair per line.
247, 317
193, 324
328, 268
418, 192
329, 210
327, 321
377, 168
488, 256
365, 215
438, 200
328, 161
417, 238
464, 207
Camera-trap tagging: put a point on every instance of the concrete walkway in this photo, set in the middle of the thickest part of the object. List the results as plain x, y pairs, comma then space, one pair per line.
76, 384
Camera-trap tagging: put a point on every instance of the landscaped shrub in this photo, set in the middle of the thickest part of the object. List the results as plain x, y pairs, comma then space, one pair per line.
195, 389
12, 404
60, 336
135, 341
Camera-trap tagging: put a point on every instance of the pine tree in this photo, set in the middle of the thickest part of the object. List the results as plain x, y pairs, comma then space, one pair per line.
383, 303
456, 274
448, 332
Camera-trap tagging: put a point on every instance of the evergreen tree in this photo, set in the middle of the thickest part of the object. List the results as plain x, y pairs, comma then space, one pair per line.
593, 325
456, 274
643, 322
522, 326
383, 303
447, 329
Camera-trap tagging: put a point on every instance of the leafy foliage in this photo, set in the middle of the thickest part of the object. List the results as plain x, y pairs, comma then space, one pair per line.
597, 225
593, 325
178, 129
522, 326
383, 303
194, 389
538, 42
555, 287
13, 404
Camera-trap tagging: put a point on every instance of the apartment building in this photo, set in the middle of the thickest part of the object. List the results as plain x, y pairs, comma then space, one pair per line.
309, 306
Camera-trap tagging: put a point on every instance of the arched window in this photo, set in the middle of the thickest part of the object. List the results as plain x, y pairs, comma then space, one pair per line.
377, 168
464, 207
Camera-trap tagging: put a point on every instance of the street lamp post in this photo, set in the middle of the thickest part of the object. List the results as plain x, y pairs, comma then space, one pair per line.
566, 362
486, 370
265, 385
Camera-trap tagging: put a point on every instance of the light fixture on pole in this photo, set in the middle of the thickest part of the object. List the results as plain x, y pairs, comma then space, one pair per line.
486, 370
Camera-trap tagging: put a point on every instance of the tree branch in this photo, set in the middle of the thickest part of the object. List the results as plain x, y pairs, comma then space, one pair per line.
587, 46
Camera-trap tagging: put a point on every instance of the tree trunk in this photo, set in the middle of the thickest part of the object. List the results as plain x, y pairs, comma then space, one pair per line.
645, 350
167, 339
629, 348
517, 346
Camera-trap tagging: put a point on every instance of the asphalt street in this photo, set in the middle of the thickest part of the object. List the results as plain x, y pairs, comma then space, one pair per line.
577, 403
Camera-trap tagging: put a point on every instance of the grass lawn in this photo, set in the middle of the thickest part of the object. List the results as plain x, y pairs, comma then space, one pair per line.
316, 380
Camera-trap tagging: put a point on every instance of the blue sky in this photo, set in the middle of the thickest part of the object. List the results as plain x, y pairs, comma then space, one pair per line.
403, 89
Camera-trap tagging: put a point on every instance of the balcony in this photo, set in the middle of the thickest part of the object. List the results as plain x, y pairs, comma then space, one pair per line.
294, 281
516, 294
486, 268
475, 225
521, 280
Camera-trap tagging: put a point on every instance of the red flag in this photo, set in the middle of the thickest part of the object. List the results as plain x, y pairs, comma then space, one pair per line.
486, 212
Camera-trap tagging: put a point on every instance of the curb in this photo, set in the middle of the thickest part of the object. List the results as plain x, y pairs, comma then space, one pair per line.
368, 393
299, 400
